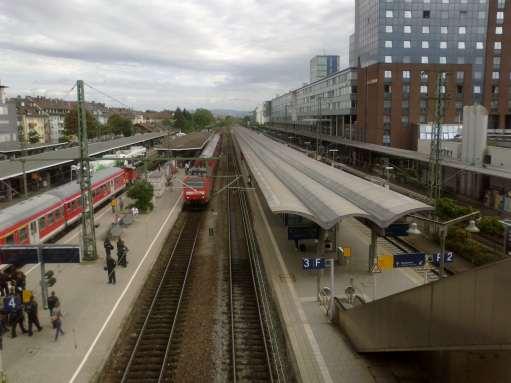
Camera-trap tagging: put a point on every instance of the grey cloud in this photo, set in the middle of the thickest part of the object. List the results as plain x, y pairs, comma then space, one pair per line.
216, 53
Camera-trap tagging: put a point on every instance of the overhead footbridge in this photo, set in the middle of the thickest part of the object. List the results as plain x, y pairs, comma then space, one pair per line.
293, 183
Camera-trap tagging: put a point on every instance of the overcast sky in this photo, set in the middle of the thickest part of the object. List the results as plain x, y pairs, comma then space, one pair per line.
192, 53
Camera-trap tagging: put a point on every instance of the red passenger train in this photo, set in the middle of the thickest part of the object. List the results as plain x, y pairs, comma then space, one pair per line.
39, 218
199, 184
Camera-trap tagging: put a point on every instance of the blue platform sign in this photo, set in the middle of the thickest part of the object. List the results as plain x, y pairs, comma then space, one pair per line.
21, 255
409, 260
313, 263
449, 257
11, 302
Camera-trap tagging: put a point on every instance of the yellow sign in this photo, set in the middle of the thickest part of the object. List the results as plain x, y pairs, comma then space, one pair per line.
386, 262
347, 251
26, 296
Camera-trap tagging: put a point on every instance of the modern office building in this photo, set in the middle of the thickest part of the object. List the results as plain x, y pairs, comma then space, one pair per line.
400, 48
322, 66
8, 124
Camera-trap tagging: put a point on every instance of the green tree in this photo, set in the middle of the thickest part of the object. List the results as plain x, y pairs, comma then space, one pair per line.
33, 136
179, 120
120, 125
203, 118
142, 192
71, 124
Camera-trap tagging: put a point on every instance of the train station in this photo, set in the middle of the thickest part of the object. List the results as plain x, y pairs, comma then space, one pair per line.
296, 250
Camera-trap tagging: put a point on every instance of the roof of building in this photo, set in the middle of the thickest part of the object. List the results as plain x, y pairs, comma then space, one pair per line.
192, 141
210, 148
16, 146
403, 153
41, 161
294, 183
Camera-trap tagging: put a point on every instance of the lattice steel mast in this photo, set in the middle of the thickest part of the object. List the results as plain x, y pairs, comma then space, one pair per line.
89, 251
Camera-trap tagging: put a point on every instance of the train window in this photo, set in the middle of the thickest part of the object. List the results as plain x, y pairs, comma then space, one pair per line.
57, 214
195, 182
23, 234
42, 223
33, 227
10, 239
50, 218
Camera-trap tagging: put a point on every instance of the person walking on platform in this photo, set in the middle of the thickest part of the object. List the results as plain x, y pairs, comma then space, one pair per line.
33, 319
121, 204
108, 246
122, 253
56, 321
110, 269
52, 301
13, 301
113, 204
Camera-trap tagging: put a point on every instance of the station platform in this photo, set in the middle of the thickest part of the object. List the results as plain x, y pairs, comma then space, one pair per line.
319, 351
94, 311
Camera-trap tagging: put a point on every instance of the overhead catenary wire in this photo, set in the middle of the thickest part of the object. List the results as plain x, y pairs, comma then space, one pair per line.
108, 96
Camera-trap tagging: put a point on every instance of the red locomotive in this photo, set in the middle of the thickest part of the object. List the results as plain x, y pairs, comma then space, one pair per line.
198, 184
39, 218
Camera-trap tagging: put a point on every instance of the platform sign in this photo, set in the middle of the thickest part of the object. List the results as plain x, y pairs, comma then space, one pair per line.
385, 262
313, 263
449, 258
302, 232
409, 260
11, 302
397, 230
17, 255
61, 254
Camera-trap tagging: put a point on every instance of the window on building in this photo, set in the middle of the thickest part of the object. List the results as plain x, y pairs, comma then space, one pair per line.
388, 44
443, 60
424, 76
477, 89
425, 44
501, 4
407, 44
495, 89
479, 45
495, 75
388, 59
425, 29
387, 74
462, 30
497, 45
443, 44
499, 30
459, 90
389, 14
460, 75
406, 89
388, 28
407, 29
424, 89
461, 45
444, 30
424, 60
500, 16
387, 89
406, 74
408, 14
496, 62
426, 14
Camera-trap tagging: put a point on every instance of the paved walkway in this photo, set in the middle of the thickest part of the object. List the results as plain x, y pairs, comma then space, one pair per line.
94, 310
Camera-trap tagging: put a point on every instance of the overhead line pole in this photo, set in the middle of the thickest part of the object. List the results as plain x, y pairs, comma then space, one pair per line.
88, 231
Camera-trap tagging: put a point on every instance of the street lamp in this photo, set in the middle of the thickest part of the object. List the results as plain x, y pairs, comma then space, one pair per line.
333, 151
387, 175
444, 229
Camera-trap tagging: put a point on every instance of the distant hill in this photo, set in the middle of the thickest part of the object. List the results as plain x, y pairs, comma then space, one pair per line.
229, 112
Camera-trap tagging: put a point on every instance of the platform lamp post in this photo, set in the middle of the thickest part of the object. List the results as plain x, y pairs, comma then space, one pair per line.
307, 144
333, 151
444, 229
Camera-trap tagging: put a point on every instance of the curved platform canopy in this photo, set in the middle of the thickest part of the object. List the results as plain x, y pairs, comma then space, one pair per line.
293, 183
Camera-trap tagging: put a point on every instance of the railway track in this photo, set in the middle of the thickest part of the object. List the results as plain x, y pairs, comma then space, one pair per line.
253, 355
153, 356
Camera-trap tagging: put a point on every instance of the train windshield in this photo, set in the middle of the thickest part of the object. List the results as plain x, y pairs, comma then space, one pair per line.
195, 182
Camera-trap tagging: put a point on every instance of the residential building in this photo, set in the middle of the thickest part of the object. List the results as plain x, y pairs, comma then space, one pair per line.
322, 66
8, 126
32, 119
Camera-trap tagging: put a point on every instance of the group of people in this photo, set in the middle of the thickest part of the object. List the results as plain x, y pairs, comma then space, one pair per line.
19, 304
122, 258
